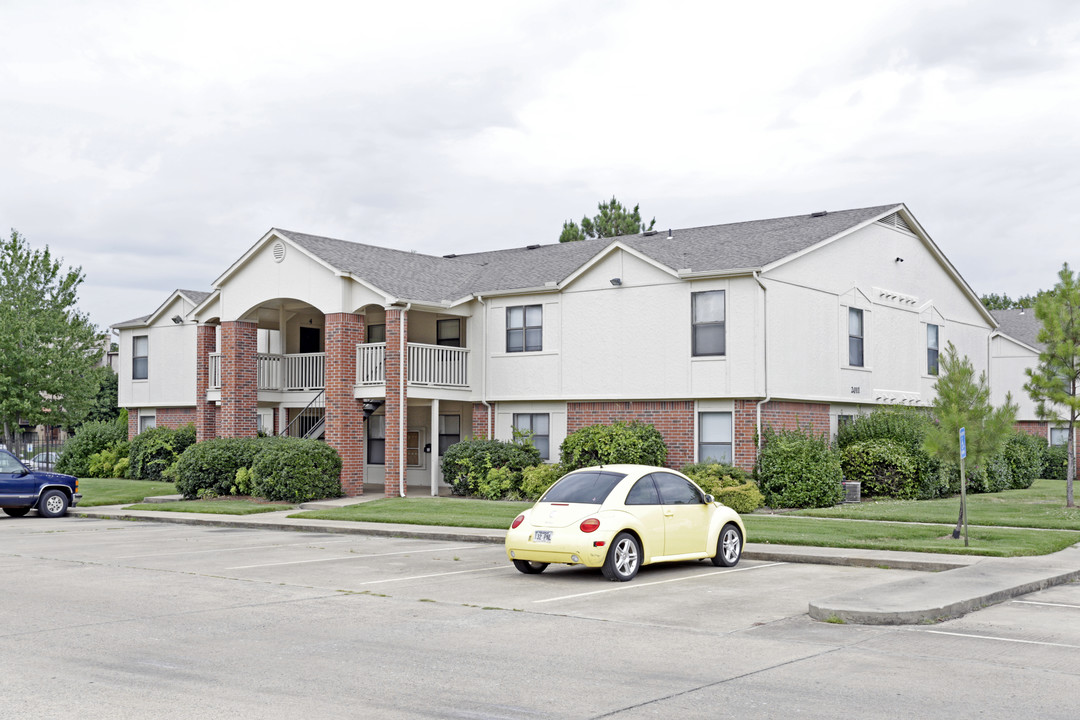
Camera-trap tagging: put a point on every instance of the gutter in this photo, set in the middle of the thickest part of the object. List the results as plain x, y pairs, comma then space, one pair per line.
403, 416
765, 354
483, 371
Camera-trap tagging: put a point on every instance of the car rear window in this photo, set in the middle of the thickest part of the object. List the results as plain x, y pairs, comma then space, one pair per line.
591, 487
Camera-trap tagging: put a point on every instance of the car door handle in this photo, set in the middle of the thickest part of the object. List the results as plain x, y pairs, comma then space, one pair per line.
669, 513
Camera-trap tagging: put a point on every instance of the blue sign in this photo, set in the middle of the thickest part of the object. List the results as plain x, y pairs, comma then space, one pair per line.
963, 444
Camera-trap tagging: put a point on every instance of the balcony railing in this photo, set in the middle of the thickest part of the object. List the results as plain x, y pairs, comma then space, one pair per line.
215, 371
428, 365
306, 371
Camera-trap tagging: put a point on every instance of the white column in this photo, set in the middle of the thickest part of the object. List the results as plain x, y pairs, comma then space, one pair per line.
434, 440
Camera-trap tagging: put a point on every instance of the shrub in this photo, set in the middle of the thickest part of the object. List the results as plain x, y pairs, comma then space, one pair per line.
500, 483
154, 450
90, 438
466, 464
105, 464
883, 467
796, 469
1055, 462
634, 442
212, 465
296, 470
120, 470
907, 428
745, 498
1024, 455
714, 477
995, 476
242, 485
537, 479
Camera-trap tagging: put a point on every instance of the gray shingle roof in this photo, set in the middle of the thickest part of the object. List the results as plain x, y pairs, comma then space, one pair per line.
195, 296
713, 248
1021, 325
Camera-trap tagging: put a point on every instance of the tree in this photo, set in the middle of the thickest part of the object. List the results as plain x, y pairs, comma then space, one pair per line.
963, 402
47, 348
993, 301
612, 220
1054, 383
105, 404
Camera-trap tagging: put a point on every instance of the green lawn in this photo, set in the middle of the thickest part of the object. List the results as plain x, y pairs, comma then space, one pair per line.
994, 541
113, 491
230, 506
457, 512
1040, 506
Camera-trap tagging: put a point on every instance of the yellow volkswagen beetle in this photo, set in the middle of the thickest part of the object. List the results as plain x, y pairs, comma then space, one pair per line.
620, 517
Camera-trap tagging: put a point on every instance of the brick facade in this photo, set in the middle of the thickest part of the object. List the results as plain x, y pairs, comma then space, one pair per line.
345, 413
239, 380
481, 422
674, 420
205, 412
133, 422
777, 415
1033, 427
175, 417
397, 401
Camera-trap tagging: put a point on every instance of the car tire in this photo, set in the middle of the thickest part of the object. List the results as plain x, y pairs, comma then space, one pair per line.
623, 559
52, 504
728, 547
16, 512
529, 567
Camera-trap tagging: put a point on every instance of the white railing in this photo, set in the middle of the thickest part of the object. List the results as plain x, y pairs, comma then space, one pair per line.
270, 371
428, 365
305, 372
215, 371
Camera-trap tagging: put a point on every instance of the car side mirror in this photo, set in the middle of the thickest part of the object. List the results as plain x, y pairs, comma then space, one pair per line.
709, 499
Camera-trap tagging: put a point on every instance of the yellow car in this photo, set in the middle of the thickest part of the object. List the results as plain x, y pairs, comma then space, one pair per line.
620, 517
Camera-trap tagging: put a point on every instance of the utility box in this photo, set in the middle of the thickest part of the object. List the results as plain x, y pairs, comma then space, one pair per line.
852, 491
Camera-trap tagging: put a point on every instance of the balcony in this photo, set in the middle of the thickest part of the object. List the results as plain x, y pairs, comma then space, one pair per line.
429, 365
305, 371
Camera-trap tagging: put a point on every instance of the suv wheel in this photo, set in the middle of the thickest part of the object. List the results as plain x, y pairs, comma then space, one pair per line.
53, 503
16, 512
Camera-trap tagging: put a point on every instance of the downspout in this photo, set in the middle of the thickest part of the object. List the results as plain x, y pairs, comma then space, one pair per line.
765, 355
403, 417
483, 371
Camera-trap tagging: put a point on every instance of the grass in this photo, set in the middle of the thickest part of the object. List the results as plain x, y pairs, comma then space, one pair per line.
991, 541
1040, 506
113, 491
230, 506
455, 512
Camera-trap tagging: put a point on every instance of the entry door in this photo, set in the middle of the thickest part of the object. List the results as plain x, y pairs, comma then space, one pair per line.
310, 340
686, 516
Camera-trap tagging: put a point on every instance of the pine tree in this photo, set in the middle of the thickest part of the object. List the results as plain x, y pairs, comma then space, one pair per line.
613, 220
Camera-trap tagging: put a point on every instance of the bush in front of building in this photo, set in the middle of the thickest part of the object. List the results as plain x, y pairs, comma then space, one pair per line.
798, 469
1024, 455
210, 467
112, 462
744, 498
906, 428
1055, 462
712, 477
466, 464
155, 449
884, 468
90, 438
536, 480
634, 442
295, 470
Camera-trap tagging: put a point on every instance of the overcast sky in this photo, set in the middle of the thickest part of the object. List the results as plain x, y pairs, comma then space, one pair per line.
153, 143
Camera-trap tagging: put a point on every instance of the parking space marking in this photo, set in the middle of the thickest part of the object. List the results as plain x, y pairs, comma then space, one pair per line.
999, 639
422, 577
627, 586
355, 557
1032, 602
237, 549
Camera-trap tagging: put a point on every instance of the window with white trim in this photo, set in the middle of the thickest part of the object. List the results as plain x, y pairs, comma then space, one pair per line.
708, 313
855, 337
1059, 436
539, 425
376, 333
524, 328
714, 437
448, 332
140, 357
449, 432
147, 419
376, 444
931, 349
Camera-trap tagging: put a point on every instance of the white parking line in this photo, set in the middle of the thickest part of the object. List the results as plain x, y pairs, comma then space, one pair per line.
422, 577
233, 549
999, 639
355, 557
1032, 602
628, 586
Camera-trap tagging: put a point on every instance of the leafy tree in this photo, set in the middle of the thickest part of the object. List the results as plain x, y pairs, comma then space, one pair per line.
612, 220
47, 347
993, 301
105, 403
1054, 384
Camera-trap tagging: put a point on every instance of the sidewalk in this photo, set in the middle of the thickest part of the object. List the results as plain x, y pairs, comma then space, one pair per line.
951, 586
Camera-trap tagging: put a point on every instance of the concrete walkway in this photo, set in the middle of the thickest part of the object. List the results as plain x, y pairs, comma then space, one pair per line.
951, 586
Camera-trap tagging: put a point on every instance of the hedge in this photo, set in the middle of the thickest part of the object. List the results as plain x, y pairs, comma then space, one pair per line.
1024, 455
1055, 462
296, 470
634, 443
745, 498
210, 467
883, 467
798, 470
90, 438
466, 464
155, 449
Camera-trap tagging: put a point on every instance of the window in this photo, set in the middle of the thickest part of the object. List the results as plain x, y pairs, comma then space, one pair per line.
412, 448
448, 332
676, 491
524, 328
707, 311
147, 419
449, 431
1059, 436
714, 437
643, 493
855, 337
376, 333
590, 487
842, 421
931, 349
140, 356
376, 443
537, 425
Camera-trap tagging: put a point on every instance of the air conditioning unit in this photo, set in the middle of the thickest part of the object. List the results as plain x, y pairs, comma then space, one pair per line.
852, 491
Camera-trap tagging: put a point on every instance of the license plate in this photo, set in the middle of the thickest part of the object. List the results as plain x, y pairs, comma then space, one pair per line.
542, 536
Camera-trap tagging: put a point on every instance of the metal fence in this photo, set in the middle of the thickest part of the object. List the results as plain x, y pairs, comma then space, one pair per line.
39, 450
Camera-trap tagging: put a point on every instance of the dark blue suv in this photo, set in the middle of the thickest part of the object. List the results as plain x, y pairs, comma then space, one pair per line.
22, 489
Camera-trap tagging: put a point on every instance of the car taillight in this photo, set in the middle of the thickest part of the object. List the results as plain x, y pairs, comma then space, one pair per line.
517, 521
589, 525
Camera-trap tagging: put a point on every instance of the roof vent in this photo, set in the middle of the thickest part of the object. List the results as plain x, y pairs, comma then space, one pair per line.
451, 256
896, 222
820, 213
650, 233
279, 251
669, 235
531, 247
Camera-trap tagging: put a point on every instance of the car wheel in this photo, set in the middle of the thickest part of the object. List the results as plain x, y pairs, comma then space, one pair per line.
53, 504
16, 512
728, 547
623, 559
530, 567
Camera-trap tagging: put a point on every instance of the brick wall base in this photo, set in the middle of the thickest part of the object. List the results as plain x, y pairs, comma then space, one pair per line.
674, 420
481, 422
778, 415
175, 417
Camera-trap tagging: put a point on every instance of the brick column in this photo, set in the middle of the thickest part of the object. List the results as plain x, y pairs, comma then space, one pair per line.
480, 422
397, 401
205, 413
239, 380
133, 422
344, 413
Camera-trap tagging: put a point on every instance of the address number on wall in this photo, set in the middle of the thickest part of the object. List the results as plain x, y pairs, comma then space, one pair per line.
855, 389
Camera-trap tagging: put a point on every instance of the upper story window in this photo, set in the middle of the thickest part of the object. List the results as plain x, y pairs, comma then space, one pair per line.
707, 314
140, 357
931, 349
538, 425
448, 332
524, 328
855, 337
376, 333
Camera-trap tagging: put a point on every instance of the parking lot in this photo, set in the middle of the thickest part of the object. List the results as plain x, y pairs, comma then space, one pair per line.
137, 618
